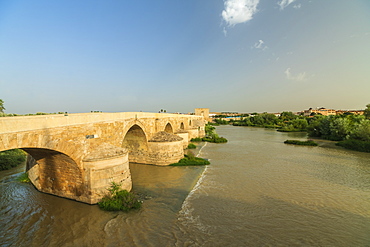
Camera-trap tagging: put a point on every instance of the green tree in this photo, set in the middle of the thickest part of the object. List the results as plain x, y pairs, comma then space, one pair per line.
339, 129
324, 127
257, 120
314, 125
367, 111
362, 131
2, 108
287, 115
269, 118
300, 124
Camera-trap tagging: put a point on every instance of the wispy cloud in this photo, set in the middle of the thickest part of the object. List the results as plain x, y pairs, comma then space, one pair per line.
298, 77
297, 6
284, 3
260, 45
239, 11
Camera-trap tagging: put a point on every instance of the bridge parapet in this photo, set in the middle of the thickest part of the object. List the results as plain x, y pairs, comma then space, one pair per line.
26, 123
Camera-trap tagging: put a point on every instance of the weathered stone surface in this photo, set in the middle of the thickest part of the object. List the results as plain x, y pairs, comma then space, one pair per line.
185, 138
163, 136
105, 151
181, 131
165, 153
79, 155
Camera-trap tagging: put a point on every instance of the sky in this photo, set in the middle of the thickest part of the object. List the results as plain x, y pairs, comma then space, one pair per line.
144, 55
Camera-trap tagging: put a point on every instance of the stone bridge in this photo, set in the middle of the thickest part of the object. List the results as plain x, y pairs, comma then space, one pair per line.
77, 156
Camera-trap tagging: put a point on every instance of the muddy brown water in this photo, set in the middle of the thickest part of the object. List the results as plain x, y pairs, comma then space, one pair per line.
256, 192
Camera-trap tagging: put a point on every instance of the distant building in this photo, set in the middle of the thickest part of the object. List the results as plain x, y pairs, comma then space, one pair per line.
203, 112
356, 112
327, 112
323, 111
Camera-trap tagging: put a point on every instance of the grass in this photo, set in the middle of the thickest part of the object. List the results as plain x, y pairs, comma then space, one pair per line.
302, 143
23, 178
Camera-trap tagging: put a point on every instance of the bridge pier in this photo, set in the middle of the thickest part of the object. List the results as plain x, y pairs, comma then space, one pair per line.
165, 149
57, 174
104, 165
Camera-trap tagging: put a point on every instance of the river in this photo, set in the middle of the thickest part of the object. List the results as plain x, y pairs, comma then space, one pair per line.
256, 192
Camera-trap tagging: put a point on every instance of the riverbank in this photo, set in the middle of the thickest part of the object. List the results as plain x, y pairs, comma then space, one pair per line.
11, 158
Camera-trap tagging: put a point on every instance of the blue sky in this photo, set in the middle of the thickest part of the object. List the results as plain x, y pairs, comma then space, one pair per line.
226, 55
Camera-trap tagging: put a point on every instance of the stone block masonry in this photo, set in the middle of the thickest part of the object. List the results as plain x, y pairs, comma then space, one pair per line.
78, 156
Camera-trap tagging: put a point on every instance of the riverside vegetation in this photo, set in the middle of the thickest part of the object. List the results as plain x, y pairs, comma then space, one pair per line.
11, 158
23, 178
349, 130
302, 143
211, 136
191, 160
119, 200
192, 146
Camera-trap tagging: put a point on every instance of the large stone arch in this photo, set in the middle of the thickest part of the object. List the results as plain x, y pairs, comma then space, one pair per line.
45, 140
136, 142
168, 128
55, 173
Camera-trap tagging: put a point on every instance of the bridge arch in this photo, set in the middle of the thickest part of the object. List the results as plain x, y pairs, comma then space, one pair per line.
168, 128
136, 142
182, 127
55, 173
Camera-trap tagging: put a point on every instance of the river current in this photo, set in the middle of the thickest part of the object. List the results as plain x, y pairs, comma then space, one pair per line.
257, 191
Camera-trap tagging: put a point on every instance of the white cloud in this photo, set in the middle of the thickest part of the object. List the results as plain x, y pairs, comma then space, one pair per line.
224, 31
297, 6
284, 3
260, 45
239, 11
299, 77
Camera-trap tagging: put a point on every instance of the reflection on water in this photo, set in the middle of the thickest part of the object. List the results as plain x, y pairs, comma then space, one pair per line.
256, 192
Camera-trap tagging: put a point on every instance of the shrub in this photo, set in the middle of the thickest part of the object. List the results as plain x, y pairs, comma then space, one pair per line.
358, 145
192, 146
303, 143
191, 160
214, 139
11, 158
211, 136
197, 139
119, 200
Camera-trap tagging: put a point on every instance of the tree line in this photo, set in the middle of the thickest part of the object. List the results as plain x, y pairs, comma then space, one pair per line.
352, 131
